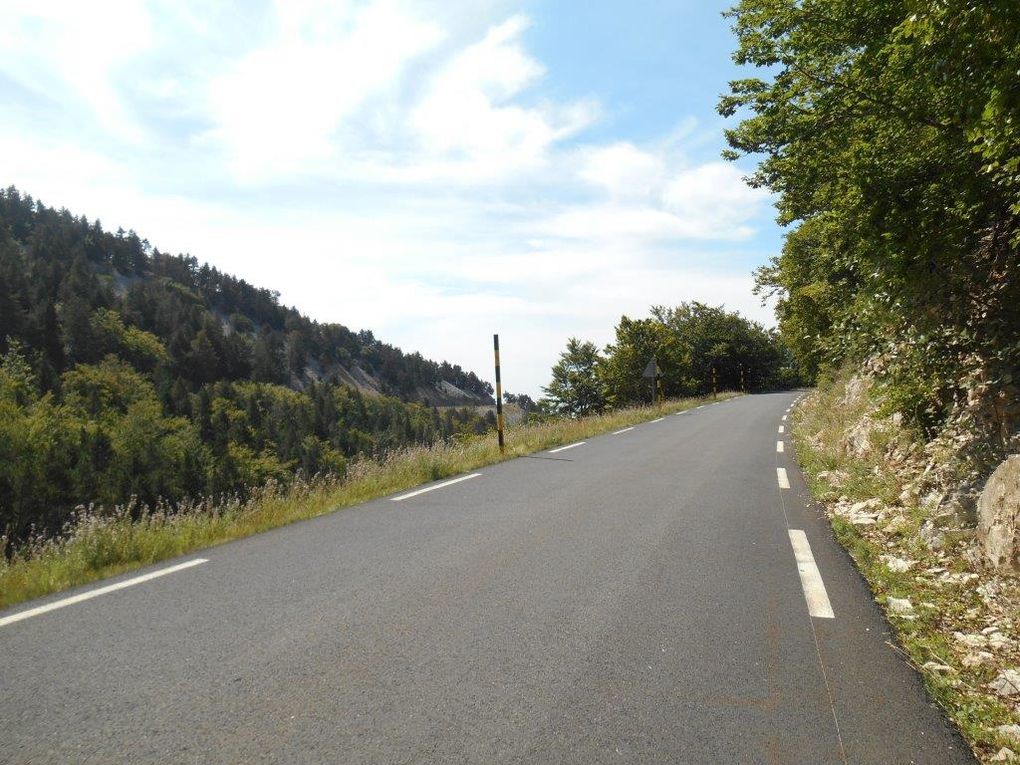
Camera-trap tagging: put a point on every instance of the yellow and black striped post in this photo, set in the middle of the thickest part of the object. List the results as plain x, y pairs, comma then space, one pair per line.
499, 393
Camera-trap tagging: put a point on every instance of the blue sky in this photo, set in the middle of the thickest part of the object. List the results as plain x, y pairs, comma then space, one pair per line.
432, 171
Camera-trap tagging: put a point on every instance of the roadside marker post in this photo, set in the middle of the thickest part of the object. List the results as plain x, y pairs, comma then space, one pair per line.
652, 373
499, 394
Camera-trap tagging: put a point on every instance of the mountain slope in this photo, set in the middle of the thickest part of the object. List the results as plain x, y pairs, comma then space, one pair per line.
156, 377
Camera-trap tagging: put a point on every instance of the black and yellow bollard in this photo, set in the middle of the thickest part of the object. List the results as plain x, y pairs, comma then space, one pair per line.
499, 393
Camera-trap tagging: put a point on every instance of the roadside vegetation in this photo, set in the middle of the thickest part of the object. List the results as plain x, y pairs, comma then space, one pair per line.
884, 487
889, 131
97, 543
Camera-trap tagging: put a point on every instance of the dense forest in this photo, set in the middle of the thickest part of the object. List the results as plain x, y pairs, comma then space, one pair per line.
128, 373
697, 349
888, 130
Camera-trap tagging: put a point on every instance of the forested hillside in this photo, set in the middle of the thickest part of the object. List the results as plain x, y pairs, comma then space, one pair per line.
890, 133
127, 372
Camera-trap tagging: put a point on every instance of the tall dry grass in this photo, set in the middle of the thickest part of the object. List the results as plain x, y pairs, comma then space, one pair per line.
99, 543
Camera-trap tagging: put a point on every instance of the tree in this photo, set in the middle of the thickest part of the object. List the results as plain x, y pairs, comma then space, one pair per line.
889, 131
575, 389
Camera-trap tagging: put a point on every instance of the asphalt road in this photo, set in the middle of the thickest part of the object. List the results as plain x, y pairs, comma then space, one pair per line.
632, 599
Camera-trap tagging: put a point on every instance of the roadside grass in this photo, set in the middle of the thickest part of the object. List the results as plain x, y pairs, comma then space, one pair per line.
99, 544
820, 426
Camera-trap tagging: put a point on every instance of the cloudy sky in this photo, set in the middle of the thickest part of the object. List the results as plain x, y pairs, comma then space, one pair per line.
434, 171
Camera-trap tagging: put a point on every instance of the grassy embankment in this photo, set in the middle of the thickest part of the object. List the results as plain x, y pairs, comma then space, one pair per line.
104, 544
942, 586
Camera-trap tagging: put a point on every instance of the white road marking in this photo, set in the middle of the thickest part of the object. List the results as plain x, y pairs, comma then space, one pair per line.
782, 429
784, 480
810, 578
568, 446
658, 420
784, 418
452, 481
97, 592
779, 446
624, 430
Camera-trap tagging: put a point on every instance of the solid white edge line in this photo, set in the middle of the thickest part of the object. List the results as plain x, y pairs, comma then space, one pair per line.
624, 430
658, 420
98, 591
779, 446
784, 480
782, 429
568, 446
810, 577
410, 494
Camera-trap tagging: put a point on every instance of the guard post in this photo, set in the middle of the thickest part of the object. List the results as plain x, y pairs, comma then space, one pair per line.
499, 394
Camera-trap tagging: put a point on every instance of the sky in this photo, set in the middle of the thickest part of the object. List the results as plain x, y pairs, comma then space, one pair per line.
434, 171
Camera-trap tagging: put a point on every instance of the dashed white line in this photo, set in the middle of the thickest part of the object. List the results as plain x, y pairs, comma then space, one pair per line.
98, 591
784, 418
782, 429
568, 446
624, 430
810, 578
658, 420
784, 480
779, 446
452, 481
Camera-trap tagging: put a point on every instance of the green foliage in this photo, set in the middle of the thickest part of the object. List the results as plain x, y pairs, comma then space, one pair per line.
121, 380
575, 390
696, 347
889, 131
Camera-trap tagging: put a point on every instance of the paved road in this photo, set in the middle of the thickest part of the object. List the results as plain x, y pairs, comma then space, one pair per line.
632, 599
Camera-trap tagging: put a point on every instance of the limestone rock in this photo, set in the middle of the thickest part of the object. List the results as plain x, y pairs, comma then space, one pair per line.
1003, 755
1011, 731
998, 509
971, 640
903, 607
897, 523
976, 659
1007, 683
898, 565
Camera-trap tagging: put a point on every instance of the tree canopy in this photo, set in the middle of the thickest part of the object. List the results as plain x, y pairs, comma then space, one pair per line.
690, 343
889, 131
126, 373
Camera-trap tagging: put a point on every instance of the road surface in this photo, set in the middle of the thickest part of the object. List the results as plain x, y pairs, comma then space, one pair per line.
645, 596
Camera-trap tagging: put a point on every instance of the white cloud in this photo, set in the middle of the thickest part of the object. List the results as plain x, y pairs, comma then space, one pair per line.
467, 116
623, 169
278, 110
384, 165
714, 195
69, 52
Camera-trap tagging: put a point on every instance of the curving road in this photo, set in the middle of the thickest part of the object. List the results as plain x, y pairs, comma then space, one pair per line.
636, 598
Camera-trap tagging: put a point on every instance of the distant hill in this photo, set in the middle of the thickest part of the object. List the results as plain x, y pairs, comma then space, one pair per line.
93, 322
58, 269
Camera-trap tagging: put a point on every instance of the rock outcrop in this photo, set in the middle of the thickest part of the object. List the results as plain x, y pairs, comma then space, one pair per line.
998, 515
